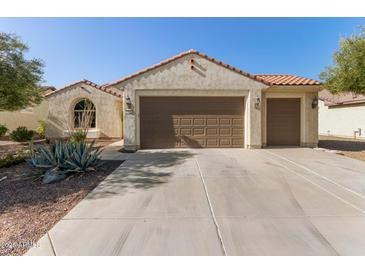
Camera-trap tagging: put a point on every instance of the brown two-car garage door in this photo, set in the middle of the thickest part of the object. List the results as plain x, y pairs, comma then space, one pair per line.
283, 121
168, 122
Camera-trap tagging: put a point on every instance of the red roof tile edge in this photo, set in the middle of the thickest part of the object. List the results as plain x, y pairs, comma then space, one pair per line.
84, 81
287, 80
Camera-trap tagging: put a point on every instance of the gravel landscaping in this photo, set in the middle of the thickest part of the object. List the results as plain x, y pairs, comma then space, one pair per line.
352, 148
28, 208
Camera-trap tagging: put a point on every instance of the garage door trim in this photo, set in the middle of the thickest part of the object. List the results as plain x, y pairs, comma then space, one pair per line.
230, 119
302, 98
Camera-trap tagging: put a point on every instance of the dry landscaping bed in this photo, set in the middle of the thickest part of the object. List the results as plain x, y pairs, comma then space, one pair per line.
28, 208
352, 148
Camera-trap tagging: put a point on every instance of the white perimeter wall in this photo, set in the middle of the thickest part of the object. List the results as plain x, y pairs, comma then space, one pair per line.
341, 121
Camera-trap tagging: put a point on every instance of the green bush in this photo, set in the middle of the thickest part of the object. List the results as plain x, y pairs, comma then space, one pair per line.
41, 130
11, 159
78, 136
21, 134
3, 130
66, 157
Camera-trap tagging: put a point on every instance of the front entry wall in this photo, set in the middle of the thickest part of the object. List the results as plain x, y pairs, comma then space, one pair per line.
308, 115
195, 122
208, 79
177, 79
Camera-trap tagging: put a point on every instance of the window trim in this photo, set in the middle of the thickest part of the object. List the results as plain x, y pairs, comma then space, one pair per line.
74, 111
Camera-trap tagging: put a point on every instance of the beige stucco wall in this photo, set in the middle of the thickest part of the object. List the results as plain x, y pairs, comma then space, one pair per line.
342, 121
210, 79
108, 111
178, 79
28, 117
308, 115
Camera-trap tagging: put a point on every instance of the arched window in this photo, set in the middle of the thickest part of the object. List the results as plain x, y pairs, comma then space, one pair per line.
84, 114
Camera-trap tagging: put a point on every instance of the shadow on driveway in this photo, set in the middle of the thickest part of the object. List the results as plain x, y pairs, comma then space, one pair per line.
144, 170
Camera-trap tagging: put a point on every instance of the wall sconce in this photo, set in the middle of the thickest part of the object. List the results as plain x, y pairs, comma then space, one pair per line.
257, 102
128, 102
315, 102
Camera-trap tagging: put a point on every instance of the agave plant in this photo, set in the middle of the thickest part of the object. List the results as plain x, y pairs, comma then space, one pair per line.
66, 157
84, 157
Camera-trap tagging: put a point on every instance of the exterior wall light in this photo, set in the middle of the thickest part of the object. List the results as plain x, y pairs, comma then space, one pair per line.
128, 102
257, 102
315, 102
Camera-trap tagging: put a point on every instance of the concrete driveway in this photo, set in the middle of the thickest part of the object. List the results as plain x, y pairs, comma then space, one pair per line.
293, 201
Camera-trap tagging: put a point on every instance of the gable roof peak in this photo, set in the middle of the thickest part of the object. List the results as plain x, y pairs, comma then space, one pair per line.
89, 83
183, 54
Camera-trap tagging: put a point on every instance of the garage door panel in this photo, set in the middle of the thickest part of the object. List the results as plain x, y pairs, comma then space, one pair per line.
237, 142
237, 132
199, 121
198, 132
185, 131
225, 142
212, 142
283, 121
225, 121
187, 142
186, 122
212, 132
191, 122
175, 121
212, 121
225, 132
237, 122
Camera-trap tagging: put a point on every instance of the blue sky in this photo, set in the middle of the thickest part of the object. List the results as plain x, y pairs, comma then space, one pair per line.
106, 49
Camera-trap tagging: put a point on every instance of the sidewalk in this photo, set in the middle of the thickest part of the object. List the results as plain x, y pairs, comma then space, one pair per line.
112, 152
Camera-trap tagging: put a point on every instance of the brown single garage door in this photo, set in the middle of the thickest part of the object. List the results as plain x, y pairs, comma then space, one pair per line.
283, 121
168, 122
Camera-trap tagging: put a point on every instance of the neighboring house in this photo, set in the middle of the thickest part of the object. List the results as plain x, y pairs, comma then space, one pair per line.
193, 100
28, 117
341, 115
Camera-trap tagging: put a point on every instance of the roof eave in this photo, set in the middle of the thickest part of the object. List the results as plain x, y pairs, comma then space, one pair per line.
87, 82
181, 55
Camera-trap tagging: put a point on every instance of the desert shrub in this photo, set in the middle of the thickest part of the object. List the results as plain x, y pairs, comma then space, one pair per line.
78, 136
21, 134
3, 130
66, 157
10, 159
41, 130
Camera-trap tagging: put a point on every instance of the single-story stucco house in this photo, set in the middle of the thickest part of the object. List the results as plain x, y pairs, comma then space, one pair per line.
341, 115
193, 100
28, 117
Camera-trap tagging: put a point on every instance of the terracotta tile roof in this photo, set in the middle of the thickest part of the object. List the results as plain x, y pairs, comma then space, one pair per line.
287, 80
267, 79
87, 82
347, 98
44, 88
252, 76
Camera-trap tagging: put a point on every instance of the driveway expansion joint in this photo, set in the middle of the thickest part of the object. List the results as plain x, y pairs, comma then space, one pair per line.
317, 185
220, 238
51, 243
317, 174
